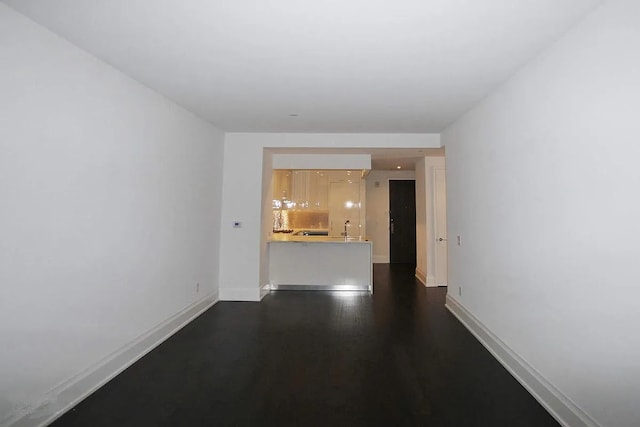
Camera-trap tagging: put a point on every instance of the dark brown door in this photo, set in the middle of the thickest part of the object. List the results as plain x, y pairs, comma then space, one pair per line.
402, 221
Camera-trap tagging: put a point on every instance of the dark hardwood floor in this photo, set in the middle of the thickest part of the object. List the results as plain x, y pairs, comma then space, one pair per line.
395, 358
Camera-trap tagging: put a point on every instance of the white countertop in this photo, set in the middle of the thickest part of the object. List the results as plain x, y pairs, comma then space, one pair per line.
286, 237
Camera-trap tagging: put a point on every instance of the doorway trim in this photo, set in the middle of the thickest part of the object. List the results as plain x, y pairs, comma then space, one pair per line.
440, 203
425, 218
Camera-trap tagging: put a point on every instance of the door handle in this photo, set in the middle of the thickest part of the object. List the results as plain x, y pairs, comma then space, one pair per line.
442, 239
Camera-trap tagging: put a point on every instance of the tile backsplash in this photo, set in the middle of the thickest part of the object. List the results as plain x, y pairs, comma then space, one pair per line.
307, 219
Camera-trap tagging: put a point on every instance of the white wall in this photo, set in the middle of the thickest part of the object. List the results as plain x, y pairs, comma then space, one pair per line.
378, 210
240, 276
543, 183
110, 211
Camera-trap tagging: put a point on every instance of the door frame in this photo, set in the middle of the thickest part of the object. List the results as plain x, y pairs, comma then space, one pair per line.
438, 200
425, 270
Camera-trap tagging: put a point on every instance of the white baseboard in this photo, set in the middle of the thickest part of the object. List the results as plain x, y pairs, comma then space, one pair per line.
427, 280
69, 393
241, 294
553, 400
380, 259
264, 291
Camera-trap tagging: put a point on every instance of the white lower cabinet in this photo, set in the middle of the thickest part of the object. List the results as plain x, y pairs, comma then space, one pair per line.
336, 265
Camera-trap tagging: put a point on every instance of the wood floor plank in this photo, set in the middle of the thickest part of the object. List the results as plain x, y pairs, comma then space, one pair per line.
301, 358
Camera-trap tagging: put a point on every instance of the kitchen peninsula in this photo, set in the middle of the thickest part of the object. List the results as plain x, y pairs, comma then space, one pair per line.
317, 241
320, 263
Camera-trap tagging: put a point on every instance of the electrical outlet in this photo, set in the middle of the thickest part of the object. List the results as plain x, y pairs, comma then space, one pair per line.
459, 240
197, 288
459, 290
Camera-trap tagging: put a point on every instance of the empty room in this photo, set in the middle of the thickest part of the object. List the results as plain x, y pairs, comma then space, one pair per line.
240, 213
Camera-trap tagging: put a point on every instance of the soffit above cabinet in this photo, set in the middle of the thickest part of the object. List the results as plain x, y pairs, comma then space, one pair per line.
322, 161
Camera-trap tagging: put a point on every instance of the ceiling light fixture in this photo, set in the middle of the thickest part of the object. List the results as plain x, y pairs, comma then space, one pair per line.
398, 167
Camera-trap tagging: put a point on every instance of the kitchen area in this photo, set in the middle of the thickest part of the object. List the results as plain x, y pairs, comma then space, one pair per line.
318, 239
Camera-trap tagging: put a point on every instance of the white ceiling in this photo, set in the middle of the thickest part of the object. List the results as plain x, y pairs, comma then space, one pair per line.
338, 65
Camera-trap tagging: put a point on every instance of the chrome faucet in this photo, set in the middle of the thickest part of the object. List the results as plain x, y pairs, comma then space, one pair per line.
347, 222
